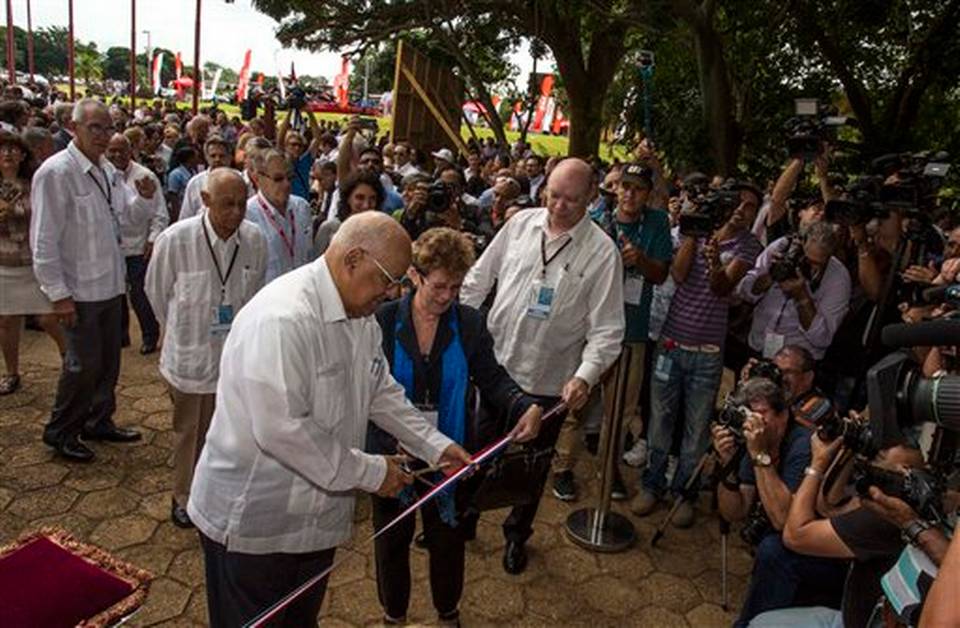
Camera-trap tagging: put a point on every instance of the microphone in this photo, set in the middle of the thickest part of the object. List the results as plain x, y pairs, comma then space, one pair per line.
939, 294
938, 333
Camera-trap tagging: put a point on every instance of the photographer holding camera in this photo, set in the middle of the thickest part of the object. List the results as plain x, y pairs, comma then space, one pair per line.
689, 356
801, 290
298, 151
872, 530
778, 449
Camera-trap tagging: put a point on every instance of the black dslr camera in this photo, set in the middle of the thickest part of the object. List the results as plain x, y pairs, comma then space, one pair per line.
765, 369
794, 258
857, 436
296, 99
921, 490
731, 416
439, 196
756, 526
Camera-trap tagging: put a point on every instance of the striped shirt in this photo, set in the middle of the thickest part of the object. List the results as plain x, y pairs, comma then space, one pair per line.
697, 316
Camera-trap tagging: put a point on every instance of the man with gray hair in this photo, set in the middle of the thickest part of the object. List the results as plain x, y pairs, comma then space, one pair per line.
302, 374
801, 290
75, 237
217, 153
144, 217
284, 219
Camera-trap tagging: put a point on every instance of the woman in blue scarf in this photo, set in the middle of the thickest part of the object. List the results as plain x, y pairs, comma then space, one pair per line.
437, 348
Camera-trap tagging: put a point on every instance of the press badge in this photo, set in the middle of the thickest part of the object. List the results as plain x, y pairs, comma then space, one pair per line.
772, 343
543, 301
223, 319
632, 290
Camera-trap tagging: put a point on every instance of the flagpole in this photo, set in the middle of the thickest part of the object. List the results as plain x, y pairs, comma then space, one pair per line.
70, 57
29, 42
196, 63
11, 64
133, 55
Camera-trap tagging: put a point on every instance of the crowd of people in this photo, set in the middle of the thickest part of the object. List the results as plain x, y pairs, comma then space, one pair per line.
336, 312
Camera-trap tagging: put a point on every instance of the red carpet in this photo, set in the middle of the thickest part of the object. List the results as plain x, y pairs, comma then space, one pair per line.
49, 579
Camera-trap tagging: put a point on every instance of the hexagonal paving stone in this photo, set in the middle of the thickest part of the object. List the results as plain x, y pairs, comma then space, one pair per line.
492, 600
657, 616
632, 564
87, 478
123, 531
709, 586
167, 599
187, 567
555, 600
43, 502
34, 476
23, 455
357, 603
150, 481
149, 405
571, 564
670, 592
143, 390
156, 506
74, 523
17, 400
197, 607
159, 421
612, 596
21, 415
172, 537
147, 556
710, 616
111, 502
6, 496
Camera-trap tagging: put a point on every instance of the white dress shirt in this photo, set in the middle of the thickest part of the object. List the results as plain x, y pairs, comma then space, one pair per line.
583, 332
74, 229
184, 289
192, 201
142, 219
298, 383
296, 226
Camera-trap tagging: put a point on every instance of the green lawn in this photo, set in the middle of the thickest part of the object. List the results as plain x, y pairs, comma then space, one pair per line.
542, 144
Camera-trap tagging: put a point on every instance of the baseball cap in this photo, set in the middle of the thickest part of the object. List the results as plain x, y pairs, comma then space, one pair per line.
445, 154
637, 173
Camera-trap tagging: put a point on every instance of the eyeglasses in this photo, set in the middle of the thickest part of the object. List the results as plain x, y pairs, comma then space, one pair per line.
392, 281
277, 178
99, 129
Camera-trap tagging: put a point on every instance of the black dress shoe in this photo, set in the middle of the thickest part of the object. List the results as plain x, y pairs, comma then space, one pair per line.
514, 558
71, 449
114, 435
179, 516
147, 348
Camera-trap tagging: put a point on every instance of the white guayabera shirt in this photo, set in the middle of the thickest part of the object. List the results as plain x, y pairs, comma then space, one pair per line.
299, 381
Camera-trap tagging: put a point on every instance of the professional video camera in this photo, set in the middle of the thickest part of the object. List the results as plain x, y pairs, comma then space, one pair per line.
861, 205
810, 126
711, 210
794, 258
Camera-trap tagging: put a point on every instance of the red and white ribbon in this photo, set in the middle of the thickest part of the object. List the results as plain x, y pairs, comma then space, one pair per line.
481, 457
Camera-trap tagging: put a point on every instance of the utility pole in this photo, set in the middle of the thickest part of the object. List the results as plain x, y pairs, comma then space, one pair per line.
149, 59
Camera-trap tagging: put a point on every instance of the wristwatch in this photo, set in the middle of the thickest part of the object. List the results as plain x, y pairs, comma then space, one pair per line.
912, 531
762, 460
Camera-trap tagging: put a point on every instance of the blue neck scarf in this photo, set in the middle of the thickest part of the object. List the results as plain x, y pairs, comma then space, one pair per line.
451, 419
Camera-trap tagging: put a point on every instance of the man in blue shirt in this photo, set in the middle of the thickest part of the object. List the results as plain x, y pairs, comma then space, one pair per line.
299, 153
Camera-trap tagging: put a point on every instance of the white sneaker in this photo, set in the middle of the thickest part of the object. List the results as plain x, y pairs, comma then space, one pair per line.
672, 463
637, 455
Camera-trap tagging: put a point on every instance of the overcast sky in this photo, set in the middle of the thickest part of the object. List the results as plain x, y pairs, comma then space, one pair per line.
227, 31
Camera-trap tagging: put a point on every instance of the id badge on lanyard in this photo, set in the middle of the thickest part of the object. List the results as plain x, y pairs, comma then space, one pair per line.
543, 294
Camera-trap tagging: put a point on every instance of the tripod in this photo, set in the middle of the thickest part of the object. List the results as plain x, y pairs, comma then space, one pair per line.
724, 525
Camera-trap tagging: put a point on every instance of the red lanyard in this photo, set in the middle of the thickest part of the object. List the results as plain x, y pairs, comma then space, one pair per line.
290, 242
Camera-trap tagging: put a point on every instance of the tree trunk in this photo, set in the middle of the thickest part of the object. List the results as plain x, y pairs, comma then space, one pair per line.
586, 101
718, 102
493, 116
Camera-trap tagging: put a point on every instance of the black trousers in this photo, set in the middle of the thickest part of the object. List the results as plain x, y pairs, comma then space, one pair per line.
85, 393
241, 586
392, 550
149, 327
518, 525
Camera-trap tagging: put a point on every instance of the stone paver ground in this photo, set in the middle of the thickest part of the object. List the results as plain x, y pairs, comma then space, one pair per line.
121, 503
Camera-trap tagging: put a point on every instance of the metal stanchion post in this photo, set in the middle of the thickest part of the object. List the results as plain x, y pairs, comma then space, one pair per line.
597, 528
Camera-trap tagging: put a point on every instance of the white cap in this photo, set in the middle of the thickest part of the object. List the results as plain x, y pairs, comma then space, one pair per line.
445, 154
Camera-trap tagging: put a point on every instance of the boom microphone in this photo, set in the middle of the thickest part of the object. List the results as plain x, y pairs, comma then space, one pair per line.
938, 333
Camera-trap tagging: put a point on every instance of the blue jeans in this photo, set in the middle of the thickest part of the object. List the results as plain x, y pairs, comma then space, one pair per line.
780, 574
697, 376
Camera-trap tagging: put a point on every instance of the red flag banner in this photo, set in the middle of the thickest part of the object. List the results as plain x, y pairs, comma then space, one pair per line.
341, 83
243, 80
178, 66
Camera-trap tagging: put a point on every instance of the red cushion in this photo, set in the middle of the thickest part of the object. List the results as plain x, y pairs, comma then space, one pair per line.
42, 584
